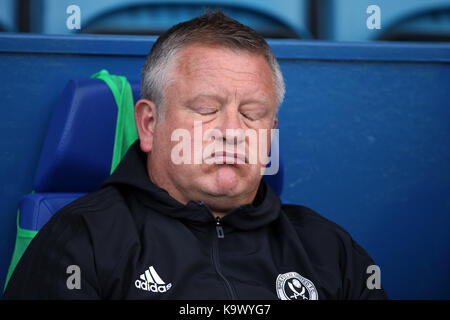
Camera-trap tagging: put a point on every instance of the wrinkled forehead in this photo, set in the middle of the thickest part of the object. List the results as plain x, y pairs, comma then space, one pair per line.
198, 57
200, 67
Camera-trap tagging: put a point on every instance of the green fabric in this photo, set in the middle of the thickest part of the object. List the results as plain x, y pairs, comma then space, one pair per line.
23, 239
126, 134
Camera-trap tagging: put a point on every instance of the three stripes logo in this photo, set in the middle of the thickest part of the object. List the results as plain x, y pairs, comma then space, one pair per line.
151, 281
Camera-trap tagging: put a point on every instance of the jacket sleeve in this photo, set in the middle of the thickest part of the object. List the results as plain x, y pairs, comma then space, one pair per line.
362, 278
58, 264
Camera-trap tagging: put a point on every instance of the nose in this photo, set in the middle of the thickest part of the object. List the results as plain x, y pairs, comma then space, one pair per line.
231, 126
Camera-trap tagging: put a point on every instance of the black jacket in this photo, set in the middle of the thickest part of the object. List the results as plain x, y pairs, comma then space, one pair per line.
132, 240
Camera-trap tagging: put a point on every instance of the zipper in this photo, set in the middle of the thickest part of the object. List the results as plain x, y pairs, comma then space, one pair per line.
219, 228
219, 234
215, 255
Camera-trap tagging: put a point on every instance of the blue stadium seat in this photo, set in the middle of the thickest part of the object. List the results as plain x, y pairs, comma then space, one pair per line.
77, 152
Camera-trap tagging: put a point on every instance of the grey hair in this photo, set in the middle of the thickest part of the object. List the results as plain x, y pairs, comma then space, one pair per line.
213, 28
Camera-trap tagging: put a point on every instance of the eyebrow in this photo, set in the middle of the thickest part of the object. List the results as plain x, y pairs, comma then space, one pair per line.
206, 95
262, 101
221, 99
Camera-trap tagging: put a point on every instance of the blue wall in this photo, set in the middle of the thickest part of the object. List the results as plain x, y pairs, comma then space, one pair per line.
364, 130
49, 16
346, 20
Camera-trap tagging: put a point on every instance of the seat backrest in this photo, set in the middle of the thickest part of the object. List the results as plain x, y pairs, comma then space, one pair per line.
77, 152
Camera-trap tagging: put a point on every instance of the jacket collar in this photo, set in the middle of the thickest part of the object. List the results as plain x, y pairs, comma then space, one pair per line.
131, 173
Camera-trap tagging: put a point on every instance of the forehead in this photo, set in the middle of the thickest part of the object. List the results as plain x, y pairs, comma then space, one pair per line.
217, 68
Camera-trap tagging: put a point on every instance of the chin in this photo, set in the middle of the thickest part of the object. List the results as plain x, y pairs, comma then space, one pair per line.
229, 181
224, 190
234, 186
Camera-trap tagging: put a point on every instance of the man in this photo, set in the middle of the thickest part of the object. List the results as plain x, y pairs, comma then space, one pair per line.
191, 218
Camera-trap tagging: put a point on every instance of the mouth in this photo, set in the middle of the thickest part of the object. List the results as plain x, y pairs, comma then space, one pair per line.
226, 158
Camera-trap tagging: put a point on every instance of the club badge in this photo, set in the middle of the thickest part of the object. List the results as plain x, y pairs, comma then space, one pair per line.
292, 286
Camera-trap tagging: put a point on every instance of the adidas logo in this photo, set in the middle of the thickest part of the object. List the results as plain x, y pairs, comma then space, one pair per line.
151, 281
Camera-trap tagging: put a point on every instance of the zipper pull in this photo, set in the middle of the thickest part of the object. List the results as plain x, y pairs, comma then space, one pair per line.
219, 228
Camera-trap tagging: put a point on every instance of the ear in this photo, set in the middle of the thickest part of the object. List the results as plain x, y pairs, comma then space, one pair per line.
145, 115
275, 123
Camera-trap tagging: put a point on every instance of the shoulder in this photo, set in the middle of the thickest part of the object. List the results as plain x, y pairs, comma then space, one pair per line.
98, 209
94, 232
96, 227
332, 249
79, 234
103, 216
96, 219
318, 232
99, 200
309, 220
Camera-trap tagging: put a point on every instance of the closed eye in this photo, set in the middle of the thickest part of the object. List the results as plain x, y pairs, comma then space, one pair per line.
253, 112
254, 115
207, 112
248, 116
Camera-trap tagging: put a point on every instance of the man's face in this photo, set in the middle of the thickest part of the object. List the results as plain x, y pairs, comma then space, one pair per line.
214, 88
